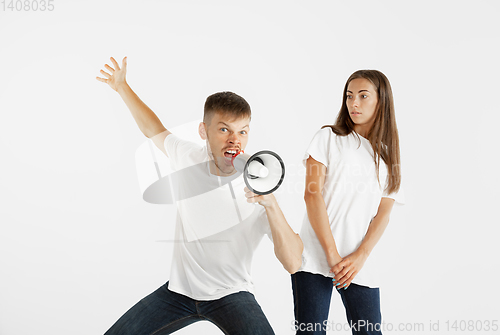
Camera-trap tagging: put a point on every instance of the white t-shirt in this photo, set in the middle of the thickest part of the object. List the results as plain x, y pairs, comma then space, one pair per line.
352, 195
214, 266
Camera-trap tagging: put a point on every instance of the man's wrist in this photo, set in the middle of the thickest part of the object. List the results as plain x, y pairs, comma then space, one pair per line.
122, 87
270, 203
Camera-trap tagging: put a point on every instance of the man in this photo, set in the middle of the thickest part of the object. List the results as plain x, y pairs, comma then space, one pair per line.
210, 277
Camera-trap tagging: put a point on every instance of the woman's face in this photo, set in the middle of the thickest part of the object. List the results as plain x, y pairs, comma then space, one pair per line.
361, 103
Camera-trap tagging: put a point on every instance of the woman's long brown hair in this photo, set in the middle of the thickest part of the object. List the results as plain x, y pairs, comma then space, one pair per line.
383, 135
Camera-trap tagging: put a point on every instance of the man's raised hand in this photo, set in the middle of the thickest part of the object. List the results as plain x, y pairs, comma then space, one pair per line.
117, 76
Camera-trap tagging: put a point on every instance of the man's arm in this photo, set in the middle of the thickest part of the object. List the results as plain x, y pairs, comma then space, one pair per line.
288, 245
146, 119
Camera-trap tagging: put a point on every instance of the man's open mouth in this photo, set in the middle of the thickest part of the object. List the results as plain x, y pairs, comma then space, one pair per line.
230, 153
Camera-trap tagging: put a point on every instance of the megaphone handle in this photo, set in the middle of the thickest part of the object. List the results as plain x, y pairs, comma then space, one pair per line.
235, 203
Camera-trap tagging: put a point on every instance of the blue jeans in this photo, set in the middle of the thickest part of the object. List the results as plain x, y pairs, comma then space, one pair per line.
164, 311
311, 298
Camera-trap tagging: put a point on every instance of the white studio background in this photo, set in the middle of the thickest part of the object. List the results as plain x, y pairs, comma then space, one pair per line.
79, 246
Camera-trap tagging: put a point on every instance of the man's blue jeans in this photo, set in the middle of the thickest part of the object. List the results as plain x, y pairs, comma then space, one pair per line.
163, 312
311, 297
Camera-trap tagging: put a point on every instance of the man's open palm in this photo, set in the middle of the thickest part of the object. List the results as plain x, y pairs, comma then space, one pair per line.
117, 76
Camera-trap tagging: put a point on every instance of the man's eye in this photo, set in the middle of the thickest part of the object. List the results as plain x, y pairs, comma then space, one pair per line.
243, 132
223, 129
364, 96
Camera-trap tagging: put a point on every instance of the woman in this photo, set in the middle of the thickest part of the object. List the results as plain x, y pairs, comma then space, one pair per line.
349, 196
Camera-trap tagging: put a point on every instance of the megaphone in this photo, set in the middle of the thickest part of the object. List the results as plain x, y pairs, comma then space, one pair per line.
263, 172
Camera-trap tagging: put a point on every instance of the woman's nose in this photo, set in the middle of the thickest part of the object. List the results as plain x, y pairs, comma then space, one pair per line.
355, 102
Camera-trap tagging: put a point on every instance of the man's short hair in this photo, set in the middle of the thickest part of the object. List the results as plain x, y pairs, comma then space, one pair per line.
226, 103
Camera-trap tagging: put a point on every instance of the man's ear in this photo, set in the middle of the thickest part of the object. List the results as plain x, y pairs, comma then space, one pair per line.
202, 131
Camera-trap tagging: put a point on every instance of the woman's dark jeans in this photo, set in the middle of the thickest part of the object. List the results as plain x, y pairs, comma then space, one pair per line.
311, 297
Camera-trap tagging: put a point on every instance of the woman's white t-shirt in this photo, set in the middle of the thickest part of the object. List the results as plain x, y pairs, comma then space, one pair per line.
352, 195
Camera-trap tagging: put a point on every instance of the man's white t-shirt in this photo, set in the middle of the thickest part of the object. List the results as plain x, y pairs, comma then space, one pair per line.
214, 266
352, 195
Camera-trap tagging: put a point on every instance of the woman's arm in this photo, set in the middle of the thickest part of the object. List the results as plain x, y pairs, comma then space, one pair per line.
316, 209
346, 270
377, 226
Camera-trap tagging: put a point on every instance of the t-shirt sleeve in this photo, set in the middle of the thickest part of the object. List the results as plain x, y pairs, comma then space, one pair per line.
399, 196
182, 153
319, 148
